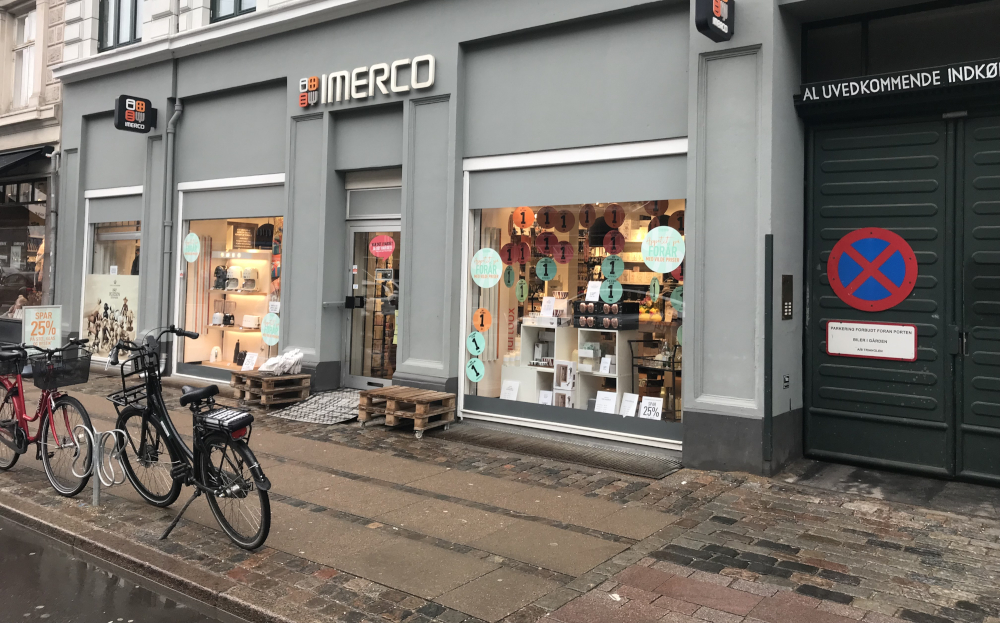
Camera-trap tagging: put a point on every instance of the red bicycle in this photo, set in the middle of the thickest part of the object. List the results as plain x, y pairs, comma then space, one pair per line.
59, 445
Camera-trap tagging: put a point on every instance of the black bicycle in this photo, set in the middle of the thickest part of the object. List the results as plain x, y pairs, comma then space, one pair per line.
157, 461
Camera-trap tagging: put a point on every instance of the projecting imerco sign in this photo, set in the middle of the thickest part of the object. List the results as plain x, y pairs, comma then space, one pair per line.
134, 114
362, 82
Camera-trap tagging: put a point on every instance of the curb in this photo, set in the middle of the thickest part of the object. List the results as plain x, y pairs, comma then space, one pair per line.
148, 567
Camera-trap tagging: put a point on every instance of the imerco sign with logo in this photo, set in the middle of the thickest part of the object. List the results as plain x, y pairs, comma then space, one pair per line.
134, 114
714, 18
902, 82
362, 83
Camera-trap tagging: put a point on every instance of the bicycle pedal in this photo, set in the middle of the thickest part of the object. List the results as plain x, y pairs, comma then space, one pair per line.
179, 472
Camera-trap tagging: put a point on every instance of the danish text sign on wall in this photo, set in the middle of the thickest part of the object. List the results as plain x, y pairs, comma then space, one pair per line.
365, 82
714, 18
134, 114
872, 340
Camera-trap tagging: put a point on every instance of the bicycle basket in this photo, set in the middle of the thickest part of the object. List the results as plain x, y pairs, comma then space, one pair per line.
15, 366
69, 367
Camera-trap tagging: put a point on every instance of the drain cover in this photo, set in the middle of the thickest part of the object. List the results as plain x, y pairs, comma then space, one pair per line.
612, 459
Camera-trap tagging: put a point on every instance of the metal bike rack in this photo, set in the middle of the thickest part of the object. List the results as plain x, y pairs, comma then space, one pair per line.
102, 465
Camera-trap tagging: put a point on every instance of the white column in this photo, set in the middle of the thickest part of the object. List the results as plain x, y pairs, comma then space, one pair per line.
194, 14
81, 29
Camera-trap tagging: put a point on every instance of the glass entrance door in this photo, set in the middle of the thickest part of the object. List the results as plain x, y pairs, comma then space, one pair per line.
372, 306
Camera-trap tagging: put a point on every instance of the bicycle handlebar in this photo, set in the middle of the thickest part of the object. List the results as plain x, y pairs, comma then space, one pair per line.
133, 347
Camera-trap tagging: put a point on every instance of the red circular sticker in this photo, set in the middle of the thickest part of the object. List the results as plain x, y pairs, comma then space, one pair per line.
676, 220
653, 223
382, 246
564, 253
653, 208
522, 253
678, 273
587, 215
546, 217
524, 218
546, 243
614, 215
614, 242
565, 221
507, 253
872, 269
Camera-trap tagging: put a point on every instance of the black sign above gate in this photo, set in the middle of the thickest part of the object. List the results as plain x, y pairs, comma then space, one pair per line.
901, 82
134, 114
715, 18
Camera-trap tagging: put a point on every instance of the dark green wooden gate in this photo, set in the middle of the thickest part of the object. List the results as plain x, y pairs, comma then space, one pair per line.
936, 184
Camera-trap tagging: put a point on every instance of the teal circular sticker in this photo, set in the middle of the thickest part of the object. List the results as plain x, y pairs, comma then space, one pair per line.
677, 299
521, 290
486, 268
475, 370
663, 249
612, 267
680, 335
654, 289
269, 327
509, 277
476, 342
546, 268
192, 247
611, 291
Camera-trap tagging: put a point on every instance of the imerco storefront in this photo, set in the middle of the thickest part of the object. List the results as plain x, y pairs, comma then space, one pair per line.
584, 216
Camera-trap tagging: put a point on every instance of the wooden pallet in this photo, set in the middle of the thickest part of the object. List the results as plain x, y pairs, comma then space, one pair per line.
270, 391
428, 409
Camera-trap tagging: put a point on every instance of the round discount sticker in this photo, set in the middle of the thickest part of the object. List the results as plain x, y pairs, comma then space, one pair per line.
546, 217
507, 253
524, 218
614, 215
587, 215
482, 319
545, 269
475, 343
509, 277
614, 242
565, 221
521, 290
655, 208
522, 253
475, 370
612, 267
382, 246
564, 253
663, 249
270, 324
192, 247
546, 243
677, 299
486, 268
611, 291
654, 289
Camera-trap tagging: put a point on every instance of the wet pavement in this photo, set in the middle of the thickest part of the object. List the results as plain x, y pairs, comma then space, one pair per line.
41, 583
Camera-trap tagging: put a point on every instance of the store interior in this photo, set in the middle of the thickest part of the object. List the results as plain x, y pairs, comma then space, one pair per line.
560, 347
228, 289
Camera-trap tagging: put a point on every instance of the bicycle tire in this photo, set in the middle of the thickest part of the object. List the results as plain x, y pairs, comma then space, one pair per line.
237, 475
65, 482
8, 413
133, 454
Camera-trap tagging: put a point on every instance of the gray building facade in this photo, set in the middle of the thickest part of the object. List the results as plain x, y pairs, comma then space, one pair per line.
345, 177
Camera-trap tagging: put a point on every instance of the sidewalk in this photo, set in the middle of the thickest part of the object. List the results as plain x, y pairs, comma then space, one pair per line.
373, 525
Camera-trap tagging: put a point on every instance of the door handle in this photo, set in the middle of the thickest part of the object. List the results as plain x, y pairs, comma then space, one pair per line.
354, 302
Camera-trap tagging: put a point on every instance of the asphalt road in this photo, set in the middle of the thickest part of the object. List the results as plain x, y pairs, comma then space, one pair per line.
41, 583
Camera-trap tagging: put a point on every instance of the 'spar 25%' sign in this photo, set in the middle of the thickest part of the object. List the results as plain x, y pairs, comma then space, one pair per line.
134, 114
42, 326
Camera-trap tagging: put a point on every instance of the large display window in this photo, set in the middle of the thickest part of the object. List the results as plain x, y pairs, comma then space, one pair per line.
232, 293
22, 245
111, 286
575, 315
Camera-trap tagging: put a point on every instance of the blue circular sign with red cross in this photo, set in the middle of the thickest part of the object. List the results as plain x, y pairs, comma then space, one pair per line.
872, 269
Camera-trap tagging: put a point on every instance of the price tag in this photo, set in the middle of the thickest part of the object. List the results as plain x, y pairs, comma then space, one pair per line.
629, 403
274, 307
651, 408
593, 291
508, 391
605, 365
606, 402
482, 319
548, 305
249, 362
114, 270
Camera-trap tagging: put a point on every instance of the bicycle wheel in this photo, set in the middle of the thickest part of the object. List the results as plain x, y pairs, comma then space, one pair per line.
147, 458
8, 424
65, 449
243, 510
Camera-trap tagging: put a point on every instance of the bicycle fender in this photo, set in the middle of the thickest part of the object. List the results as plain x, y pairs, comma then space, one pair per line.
258, 474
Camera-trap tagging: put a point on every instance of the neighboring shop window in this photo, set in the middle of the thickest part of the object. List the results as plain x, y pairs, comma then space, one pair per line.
24, 59
579, 306
232, 291
374, 333
111, 289
22, 248
224, 9
120, 23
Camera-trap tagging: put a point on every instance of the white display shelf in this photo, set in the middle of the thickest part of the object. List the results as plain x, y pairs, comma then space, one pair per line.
240, 292
242, 254
232, 328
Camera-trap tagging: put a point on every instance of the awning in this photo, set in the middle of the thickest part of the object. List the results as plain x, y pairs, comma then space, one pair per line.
11, 159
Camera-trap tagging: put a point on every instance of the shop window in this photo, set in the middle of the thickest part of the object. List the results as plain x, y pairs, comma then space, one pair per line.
577, 308
231, 293
22, 245
224, 9
120, 23
111, 288
24, 59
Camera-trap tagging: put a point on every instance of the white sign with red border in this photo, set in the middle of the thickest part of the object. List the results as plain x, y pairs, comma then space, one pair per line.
871, 340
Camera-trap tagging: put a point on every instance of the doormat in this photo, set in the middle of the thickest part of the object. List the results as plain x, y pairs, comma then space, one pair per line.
324, 408
650, 464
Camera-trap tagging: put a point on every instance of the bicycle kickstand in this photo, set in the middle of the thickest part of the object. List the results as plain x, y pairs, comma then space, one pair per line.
173, 523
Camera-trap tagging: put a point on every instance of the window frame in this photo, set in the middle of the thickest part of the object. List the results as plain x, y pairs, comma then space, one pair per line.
238, 10
16, 47
135, 30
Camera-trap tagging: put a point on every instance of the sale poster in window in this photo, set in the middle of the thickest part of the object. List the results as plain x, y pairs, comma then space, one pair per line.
110, 311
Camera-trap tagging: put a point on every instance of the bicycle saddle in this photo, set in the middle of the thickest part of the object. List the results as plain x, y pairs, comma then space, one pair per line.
192, 394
